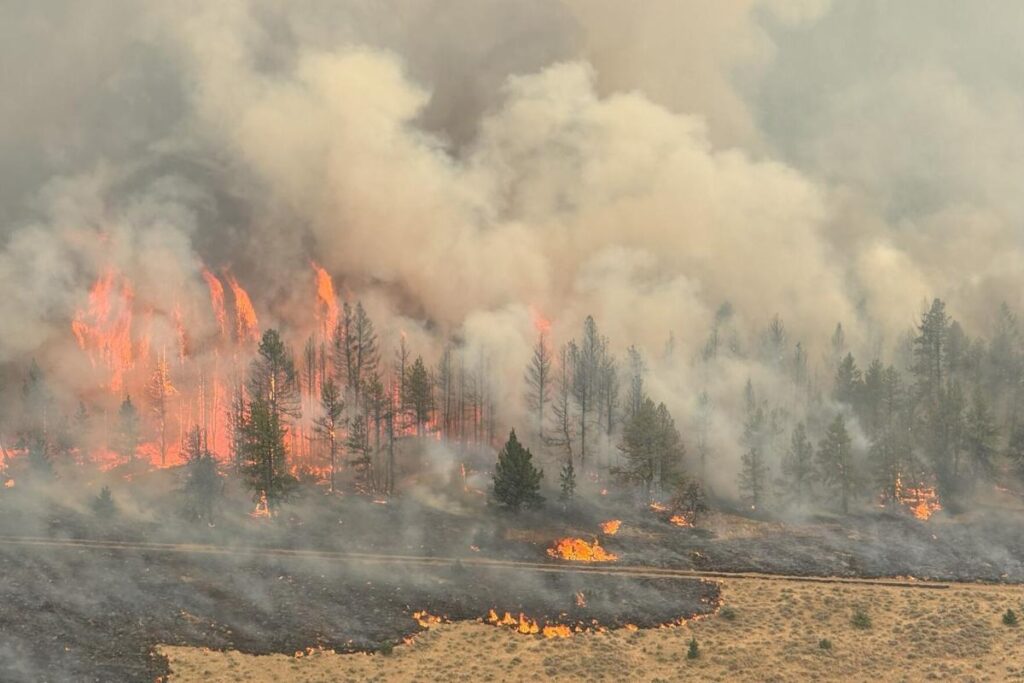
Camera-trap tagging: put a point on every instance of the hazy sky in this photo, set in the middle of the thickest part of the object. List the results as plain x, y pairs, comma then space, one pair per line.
463, 164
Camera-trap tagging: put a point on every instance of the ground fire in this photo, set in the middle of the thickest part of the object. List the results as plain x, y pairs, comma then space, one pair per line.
579, 550
611, 527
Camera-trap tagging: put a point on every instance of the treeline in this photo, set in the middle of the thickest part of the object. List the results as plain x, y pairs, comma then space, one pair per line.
942, 412
944, 416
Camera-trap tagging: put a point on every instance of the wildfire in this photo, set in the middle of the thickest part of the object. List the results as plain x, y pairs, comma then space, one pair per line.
9, 484
326, 303
680, 520
104, 328
921, 501
580, 550
426, 620
262, 509
246, 325
658, 507
611, 527
581, 600
217, 301
528, 626
540, 323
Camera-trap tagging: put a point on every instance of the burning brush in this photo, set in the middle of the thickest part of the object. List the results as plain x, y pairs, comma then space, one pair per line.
581, 551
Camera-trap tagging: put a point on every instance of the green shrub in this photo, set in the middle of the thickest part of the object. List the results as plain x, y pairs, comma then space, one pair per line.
1010, 617
825, 644
693, 651
860, 619
727, 613
103, 505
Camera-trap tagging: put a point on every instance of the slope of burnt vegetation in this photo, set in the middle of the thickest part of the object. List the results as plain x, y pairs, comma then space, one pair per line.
71, 613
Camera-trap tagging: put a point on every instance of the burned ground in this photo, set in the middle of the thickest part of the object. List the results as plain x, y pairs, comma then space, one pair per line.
70, 612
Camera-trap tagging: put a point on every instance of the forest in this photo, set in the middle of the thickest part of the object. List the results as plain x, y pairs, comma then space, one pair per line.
933, 427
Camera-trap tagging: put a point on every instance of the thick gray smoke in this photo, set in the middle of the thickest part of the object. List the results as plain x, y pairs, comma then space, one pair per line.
465, 166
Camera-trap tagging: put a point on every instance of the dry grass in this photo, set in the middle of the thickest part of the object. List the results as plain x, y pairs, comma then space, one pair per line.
773, 635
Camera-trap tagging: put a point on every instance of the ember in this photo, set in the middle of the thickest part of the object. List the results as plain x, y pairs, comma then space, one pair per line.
611, 527
580, 550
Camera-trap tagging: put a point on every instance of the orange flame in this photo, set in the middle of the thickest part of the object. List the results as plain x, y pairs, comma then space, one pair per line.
326, 303
541, 324
578, 549
680, 520
104, 328
246, 325
262, 509
527, 626
922, 501
426, 620
217, 301
611, 527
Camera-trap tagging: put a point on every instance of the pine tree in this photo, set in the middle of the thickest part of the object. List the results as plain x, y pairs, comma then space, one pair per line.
127, 429
1015, 451
34, 430
754, 471
773, 342
538, 382
567, 481
587, 359
103, 505
979, 436
356, 352
330, 422
653, 448
835, 459
358, 446
273, 403
202, 481
159, 391
400, 368
890, 450
516, 480
609, 393
798, 465
563, 432
753, 477
421, 398
848, 383
930, 351
703, 432
636, 381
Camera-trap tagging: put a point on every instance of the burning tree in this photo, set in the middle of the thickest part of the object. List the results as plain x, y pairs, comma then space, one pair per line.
159, 391
516, 480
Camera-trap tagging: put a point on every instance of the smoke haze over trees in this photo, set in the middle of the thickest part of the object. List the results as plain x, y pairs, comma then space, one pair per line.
652, 223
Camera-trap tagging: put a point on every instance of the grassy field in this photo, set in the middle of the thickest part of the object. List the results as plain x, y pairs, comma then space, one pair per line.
767, 630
